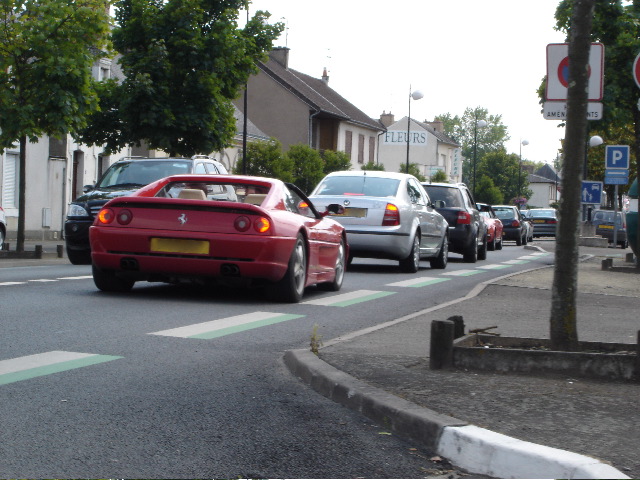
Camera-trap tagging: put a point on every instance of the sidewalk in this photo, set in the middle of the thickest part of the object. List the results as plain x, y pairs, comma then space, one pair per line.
517, 426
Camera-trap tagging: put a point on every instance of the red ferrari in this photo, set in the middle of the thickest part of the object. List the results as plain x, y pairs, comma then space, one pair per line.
234, 229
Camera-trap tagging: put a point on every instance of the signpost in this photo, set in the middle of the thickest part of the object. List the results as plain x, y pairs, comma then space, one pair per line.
616, 162
591, 192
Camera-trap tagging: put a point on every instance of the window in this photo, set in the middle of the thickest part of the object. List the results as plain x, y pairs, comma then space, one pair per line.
10, 181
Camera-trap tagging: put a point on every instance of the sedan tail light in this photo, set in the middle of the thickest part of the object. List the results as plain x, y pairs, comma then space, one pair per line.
464, 218
391, 216
515, 223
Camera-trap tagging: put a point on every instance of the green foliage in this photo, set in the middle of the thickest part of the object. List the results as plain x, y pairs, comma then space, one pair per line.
307, 166
373, 166
414, 169
47, 48
183, 61
440, 177
335, 161
487, 192
504, 171
265, 159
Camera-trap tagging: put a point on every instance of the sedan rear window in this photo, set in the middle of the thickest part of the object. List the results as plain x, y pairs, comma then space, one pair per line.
142, 172
504, 213
364, 185
445, 196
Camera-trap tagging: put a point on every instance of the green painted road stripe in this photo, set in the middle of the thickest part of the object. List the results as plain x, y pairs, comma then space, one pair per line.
493, 266
463, 273
24, 368
418, 282
228, 326
348, 299
515, 262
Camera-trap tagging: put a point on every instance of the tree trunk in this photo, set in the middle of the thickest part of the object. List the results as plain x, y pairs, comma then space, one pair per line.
563, 325
22, 182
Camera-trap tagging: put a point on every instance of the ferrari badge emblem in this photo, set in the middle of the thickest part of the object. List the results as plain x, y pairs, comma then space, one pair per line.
182, 219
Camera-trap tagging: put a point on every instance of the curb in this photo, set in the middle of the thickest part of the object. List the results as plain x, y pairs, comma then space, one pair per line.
474, 449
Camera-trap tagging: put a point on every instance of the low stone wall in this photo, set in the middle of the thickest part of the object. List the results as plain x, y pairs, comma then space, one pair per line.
612, 361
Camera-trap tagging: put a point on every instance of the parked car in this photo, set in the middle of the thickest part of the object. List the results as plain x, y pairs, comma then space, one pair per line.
122, 178
387, 215
514, 225
467, 230
3, 228
494, 226
544, 220
229, 228
603, 221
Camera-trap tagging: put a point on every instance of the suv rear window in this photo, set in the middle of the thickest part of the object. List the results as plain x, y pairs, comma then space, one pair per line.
142, 172
364, 185
447, 197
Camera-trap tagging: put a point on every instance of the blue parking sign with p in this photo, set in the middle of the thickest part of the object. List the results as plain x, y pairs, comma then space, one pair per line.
617, 156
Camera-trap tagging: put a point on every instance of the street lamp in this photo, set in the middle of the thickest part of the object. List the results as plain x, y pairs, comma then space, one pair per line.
523, 143
480, 124
416, 95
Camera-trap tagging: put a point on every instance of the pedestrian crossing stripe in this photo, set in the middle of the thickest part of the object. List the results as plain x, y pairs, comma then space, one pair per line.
515, 262
463, 273
348, 299
528, 257
82, 277
418, 282
493, 266
227, 326
6, 284
40, 364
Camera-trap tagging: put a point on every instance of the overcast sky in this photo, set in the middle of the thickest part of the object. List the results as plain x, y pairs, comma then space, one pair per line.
459, 53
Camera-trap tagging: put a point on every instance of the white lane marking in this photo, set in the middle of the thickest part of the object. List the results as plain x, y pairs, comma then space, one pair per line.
43, 280
82, 277
227, 326
463, 273
347, 299
6, 284
418, 282
493, 266
515, 262
39, 360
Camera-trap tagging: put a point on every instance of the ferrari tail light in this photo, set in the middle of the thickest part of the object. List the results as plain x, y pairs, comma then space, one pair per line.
391, 216
262, 225
124, 217
105, 216
242, 224
464, 218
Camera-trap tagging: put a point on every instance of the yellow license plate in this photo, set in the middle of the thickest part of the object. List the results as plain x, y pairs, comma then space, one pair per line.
539, 221
608, 227
354, 212
180, 245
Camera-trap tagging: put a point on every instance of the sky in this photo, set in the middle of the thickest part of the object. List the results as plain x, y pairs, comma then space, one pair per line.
458, 53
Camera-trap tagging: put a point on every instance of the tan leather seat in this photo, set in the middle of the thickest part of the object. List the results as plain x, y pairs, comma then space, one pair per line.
255, 198
192, 194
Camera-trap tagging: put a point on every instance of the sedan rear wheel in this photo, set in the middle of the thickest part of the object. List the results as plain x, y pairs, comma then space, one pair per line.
291, 287
482, 251
443, 256
411, 264
471, 253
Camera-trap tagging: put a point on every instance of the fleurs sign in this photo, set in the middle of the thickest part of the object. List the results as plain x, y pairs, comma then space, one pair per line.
397, 137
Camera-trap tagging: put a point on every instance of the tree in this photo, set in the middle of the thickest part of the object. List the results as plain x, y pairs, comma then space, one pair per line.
307, 166
265, 159
504, 171
414, 170
563, 325
487, 192
474, 141
439, 177
335, 161
47, 48
183, 61
373, 166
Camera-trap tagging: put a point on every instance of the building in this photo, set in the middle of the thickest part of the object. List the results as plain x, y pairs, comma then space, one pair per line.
296, 108
545, 184
428, 147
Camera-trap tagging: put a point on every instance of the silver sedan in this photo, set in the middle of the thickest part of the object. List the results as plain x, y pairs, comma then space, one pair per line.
387, 215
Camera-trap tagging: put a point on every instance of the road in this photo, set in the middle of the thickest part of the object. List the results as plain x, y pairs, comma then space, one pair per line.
181, 382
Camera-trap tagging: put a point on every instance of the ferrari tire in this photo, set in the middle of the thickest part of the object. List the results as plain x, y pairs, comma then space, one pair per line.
411, 264
340, 267
108, 281
290, 288
442, 259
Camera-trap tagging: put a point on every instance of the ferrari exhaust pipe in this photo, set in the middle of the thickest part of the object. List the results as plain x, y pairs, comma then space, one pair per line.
129, 264
230, 270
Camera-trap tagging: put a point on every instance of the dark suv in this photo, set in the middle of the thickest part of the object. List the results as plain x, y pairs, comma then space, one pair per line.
467, 230
122, 178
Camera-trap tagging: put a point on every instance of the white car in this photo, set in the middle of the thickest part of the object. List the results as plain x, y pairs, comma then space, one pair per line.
387, 215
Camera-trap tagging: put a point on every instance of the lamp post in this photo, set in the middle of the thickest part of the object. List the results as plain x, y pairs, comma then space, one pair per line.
523, 143
481, 124
416, 95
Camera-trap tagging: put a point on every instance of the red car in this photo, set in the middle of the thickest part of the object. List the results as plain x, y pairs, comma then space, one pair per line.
238, 230
494, 226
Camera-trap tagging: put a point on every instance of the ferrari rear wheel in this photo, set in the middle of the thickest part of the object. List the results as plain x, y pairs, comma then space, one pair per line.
108, 281
339, 268
291, 287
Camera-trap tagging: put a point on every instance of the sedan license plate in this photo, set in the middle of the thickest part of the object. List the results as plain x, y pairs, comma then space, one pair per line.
608, 227
539, 221
354, 212
180, 245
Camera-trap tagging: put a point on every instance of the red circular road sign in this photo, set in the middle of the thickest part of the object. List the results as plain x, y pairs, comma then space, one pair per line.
636, 70
563, 72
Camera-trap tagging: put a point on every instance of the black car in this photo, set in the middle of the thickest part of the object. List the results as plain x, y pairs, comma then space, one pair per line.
122, 178
515, 226
467, 230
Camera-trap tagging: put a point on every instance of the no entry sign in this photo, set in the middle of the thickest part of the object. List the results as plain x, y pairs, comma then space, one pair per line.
558, 71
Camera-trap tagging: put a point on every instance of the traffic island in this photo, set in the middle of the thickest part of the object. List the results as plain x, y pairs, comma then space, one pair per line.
494, 353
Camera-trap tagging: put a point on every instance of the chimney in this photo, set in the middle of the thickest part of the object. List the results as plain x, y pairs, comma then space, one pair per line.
387, 119
437, 125
281, 56
325, 76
